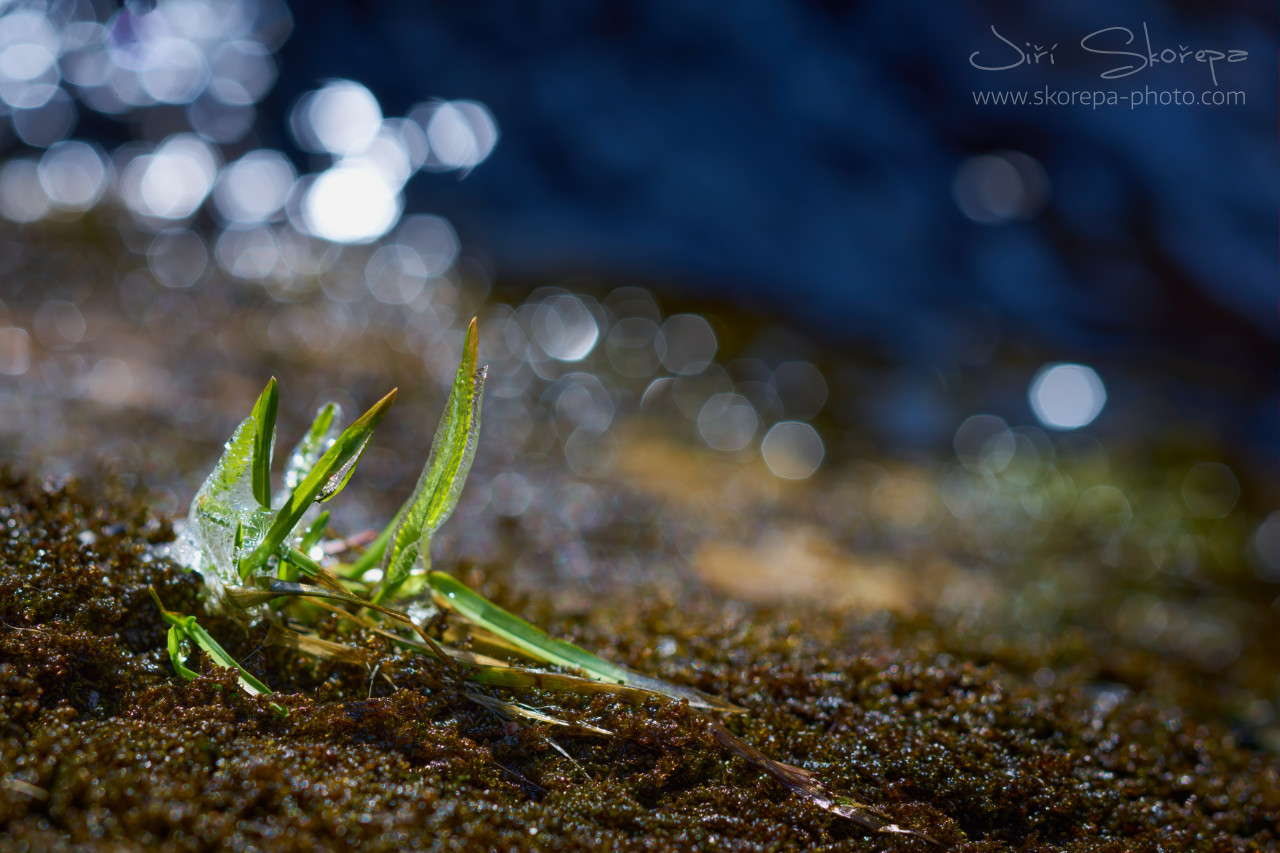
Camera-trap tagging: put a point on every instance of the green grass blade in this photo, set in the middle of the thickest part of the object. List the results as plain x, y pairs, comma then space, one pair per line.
314, 533
299, 557
328, 476
264, 439
337, 481
225, 501
372, 555
188, 628
474, 607
303, 561
436, 494
478, 610
237, 544
518, 678
307, 451
178, 655
205, 640
285, 588
237, 456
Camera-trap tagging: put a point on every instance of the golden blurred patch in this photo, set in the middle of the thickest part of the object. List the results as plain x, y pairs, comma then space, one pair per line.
803, 564
688, 475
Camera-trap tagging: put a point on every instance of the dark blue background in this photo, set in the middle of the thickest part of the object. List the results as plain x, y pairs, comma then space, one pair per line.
797, 158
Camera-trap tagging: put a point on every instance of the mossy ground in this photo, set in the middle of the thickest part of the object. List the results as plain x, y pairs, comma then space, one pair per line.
942, 726
1063, 660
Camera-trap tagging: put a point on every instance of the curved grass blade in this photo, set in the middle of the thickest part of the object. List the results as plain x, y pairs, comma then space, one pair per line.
237, 546
805, 783
177, 642
309, 644
264, 439
473, 607
442, 478
189, 628
517, 677
336, 463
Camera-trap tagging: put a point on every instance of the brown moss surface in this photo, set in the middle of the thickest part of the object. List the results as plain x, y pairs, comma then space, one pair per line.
941, 725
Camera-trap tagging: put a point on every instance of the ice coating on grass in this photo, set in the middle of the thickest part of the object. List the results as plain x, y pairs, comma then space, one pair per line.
338, 480
468, 456
307, 452
422, 611
424, 512
207, 543
324, 431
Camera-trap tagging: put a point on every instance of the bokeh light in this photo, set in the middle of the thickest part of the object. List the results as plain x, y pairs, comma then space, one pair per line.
999, 187
1266, 545
984, 444
22, 197
1067, 396
254, 188
350, 203
1210, 490
178, 257
686, 344
58, 324
342, 119
727, 422
396, 275
171, 182
74, 175
459, 134
792, 450
15, 351
564, 327
432, 239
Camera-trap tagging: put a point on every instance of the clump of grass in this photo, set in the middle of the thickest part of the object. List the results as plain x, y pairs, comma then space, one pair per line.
255, 549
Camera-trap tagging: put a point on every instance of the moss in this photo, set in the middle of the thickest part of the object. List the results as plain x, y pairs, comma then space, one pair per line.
943, 727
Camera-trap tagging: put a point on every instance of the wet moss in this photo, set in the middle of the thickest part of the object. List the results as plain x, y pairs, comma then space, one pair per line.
940, 723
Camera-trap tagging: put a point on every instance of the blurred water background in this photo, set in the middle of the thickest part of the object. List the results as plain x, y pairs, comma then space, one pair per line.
787, 234
821, 163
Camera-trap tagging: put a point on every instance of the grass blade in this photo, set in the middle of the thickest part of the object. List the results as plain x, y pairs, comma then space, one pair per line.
801, 781
176, 641
264, 439
512, 710
335, 465
319, 438
442, 478
806, 784
372, 555
314, 533
516, 678
237, 457
475, 608
189, 628
248, 596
